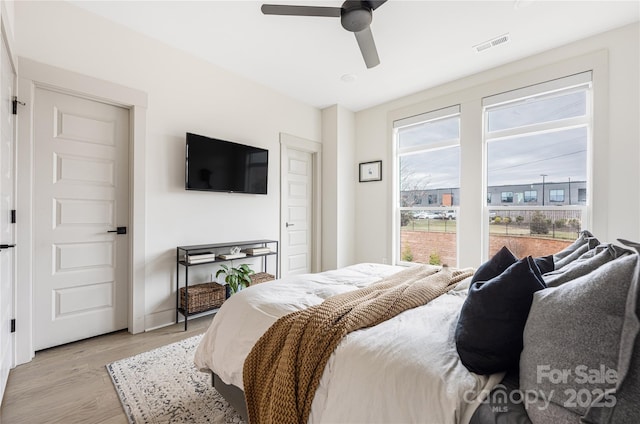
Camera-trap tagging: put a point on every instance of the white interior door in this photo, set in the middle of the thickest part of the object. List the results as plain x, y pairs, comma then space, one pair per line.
297, 211
7, 202
80, 194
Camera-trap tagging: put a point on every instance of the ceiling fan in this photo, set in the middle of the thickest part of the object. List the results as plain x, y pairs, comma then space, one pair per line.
355, 16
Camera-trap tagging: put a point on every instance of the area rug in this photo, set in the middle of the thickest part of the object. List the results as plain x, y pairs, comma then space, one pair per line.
164, 386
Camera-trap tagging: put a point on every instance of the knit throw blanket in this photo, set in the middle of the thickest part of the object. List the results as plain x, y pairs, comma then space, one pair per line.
283, 370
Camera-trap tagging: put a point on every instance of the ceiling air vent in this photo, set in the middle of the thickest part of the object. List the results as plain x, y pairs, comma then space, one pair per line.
504, 38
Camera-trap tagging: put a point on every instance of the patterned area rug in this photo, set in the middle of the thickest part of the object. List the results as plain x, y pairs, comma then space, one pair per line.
164, 386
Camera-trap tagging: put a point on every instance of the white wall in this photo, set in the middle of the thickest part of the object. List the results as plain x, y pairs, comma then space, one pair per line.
348, 177
184, 94
338, 187
616, 186
7, 10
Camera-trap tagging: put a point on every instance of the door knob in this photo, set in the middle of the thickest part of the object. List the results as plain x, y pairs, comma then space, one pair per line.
289, 225
6, 246
119, 230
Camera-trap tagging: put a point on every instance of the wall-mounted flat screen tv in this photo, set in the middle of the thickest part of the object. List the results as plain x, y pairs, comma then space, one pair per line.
219, 165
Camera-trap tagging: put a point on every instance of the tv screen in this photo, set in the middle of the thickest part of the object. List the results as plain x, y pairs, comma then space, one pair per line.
219, 165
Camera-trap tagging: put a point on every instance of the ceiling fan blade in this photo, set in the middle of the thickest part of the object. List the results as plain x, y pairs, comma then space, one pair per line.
280, 9
368, 47
376, 3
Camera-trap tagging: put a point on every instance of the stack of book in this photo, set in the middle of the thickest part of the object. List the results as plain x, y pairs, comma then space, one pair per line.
200, 257
257, 250
232, 255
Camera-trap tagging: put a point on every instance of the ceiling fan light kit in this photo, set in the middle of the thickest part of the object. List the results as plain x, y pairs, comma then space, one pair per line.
355, 16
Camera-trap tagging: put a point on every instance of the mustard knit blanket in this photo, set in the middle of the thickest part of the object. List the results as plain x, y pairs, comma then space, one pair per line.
283, 370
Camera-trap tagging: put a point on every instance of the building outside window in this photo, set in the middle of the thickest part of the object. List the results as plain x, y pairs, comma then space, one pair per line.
506, 197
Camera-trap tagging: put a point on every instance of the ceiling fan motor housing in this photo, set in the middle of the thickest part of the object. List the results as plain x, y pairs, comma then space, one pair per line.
356, 16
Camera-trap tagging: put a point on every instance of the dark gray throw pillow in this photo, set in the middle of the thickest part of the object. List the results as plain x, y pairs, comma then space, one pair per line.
489, 330
545, 264
574, 331
495, 266
502, 260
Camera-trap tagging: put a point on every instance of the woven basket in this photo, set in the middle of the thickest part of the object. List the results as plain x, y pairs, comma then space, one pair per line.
261, 277
203, 297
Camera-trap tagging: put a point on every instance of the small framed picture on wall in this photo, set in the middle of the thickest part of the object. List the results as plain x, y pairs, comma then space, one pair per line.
371, 171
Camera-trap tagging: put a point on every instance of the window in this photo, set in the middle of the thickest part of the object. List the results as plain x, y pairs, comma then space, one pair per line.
506, 197
556, 195
537, 137
536, 142
530, 196
582, 195
427, 150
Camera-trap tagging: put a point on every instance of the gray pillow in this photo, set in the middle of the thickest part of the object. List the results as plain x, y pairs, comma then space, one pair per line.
627, 391
502, 405
583, 237
589, 244
588, 262
573, 330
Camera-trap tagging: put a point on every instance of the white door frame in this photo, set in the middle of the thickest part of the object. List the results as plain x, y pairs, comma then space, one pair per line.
315, 148
7, 41
33, 74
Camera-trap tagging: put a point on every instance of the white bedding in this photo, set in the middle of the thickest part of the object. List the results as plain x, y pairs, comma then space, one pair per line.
405, 370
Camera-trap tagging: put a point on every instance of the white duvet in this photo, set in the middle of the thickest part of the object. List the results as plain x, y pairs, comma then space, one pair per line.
404, 370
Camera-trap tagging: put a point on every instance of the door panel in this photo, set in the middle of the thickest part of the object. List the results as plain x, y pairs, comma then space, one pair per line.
297, 211
69, 213
81, 192
76, 300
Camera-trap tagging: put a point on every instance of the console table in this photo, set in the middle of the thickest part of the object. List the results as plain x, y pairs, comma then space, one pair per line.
182, 260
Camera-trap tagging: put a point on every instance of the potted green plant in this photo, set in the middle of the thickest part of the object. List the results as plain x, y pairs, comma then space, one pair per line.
235, 277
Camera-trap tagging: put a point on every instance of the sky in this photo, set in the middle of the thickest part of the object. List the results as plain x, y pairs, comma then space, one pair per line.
559, 154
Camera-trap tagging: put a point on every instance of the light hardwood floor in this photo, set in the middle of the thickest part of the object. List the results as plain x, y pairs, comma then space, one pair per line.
70, 384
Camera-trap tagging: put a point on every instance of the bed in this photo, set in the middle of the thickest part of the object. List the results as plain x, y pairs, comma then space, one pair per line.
405, 369
581, 317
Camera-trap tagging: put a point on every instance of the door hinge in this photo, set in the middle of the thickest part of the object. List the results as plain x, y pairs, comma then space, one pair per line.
13, 216
15, 103
13, 325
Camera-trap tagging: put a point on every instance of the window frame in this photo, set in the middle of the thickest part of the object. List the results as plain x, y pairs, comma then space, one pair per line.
531, 199
582, 195
508, 198
398, 152
567, 84
554, 193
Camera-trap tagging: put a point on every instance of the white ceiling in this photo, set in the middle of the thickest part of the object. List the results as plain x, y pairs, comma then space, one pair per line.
421, 43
